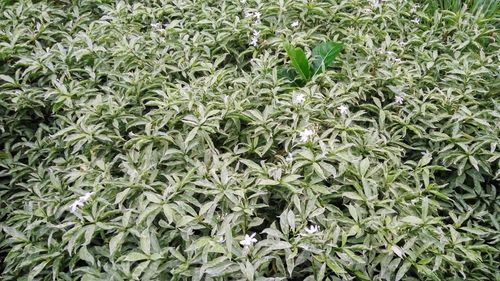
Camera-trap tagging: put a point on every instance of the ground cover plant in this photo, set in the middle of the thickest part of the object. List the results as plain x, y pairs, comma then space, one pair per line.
157, 140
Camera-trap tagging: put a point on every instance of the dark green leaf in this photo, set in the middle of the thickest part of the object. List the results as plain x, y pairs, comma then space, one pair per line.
324, 54
299, 61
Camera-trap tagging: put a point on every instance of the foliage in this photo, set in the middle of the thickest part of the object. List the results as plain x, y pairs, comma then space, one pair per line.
323, 56
164, 126
487, 8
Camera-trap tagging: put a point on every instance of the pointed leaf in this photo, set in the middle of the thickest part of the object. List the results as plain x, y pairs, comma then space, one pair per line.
299, 61
324, 54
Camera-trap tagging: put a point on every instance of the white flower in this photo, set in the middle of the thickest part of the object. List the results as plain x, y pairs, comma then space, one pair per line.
248, 240
255, 38
86, 196
312, 229
416, 20
156, 25
80, 201
399, 99
367, 11
74, 207
304, 135
426, 153
343, 109
248, 14
257, 15
375, 4
299, 98
254, 41
414, 8
397, 60
295, 23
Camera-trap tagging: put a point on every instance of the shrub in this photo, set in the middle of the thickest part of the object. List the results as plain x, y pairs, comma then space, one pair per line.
153, 140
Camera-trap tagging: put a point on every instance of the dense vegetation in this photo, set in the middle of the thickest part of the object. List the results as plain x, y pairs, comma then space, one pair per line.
155, 140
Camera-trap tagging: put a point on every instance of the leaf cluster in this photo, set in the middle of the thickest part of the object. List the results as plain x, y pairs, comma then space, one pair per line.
184, 139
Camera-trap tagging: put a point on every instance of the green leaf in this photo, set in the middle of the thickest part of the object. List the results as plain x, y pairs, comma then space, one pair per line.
335, 267
363, 166
402, 271
145, 242
135, 256
85, 255
287, 73
353, 212
121, 195
140, 269
267, 182
7, 79
412, 220
115, 242
352, 195
324, 54
36, 270
299, 61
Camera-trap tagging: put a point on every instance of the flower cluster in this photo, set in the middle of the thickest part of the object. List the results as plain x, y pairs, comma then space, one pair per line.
255, 33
